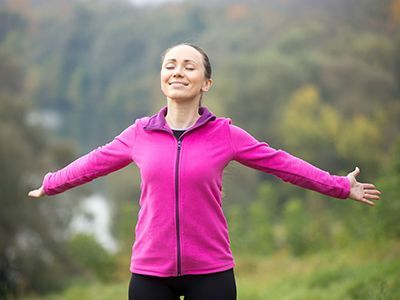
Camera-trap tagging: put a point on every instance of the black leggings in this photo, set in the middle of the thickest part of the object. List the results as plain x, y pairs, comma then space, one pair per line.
213, 286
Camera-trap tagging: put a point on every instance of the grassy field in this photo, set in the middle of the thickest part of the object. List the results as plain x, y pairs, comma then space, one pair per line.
364, 271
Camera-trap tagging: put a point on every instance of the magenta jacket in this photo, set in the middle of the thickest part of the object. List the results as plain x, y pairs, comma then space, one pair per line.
181, 227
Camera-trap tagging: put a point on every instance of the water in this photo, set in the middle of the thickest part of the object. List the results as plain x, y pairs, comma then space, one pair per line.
95, 219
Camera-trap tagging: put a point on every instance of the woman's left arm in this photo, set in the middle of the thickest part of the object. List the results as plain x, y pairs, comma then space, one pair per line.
259, 155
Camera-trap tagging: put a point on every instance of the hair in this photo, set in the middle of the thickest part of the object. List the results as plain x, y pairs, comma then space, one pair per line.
206, 60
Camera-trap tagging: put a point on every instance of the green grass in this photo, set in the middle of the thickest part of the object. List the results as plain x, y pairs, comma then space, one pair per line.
364, 271
96, 291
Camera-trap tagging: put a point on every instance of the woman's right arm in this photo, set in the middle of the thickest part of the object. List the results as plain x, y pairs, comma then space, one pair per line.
99, 162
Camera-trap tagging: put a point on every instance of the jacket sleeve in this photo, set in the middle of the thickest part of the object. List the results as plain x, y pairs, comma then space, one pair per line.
259, 155
99, 162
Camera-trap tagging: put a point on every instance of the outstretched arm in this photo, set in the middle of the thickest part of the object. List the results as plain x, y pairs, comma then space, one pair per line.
259, 155
99, 162
365, 193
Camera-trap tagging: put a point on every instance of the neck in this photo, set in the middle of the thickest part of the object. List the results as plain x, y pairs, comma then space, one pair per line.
182, 115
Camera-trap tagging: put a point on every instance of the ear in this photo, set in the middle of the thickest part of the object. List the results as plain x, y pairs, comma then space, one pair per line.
206, 85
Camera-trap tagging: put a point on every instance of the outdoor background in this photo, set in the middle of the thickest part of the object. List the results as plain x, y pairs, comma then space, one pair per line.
317, 78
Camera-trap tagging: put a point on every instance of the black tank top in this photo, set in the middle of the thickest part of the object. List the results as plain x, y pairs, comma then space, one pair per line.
178, 132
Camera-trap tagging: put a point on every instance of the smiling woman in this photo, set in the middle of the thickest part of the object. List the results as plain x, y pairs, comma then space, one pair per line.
182, 246
185, 73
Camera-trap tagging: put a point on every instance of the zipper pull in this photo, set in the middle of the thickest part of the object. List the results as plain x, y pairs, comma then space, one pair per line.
179, 144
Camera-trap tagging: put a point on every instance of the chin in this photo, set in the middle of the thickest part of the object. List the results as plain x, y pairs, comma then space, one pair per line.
180, 96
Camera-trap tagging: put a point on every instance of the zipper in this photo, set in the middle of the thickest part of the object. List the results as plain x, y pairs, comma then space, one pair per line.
179, 146
178, 240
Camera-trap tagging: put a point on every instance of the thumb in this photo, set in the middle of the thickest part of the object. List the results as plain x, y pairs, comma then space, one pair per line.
32, 193
37, 193
354, 173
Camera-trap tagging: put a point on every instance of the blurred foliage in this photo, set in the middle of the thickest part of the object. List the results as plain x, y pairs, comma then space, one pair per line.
91, 257
31, 234
386, 217
319, 79
355, 272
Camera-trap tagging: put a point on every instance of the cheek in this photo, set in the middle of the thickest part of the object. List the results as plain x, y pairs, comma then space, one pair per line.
162, 82
163, 76
197, 78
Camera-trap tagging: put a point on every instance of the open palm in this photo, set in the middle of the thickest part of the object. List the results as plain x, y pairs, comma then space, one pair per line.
362, 192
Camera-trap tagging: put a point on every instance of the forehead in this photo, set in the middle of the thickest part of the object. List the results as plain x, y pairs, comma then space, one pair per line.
182, 53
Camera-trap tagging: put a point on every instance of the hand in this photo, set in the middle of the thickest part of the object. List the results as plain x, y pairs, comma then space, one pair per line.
37, 193
362, 192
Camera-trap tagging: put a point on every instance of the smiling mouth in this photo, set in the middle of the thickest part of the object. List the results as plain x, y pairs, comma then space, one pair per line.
178, 83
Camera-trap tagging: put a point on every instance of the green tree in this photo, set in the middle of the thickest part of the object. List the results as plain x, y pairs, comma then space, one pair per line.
296, 224
310, 128
386, 215
262, 213
91, 258
236, 218
316, 132
32, 234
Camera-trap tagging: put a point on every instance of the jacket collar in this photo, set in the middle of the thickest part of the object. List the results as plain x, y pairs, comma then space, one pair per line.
158, 122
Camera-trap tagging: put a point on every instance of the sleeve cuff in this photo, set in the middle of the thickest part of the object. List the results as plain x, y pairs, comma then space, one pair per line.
346, 189
45, 184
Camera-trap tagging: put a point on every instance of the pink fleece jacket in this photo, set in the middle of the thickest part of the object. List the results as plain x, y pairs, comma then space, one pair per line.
181, 227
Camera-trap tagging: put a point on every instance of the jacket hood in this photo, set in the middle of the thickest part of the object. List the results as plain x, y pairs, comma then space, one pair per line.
158, 121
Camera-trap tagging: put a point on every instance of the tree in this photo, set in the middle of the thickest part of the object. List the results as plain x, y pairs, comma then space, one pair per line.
32, 234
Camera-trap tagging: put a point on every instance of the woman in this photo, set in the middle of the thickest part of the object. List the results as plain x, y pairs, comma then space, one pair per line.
182, 244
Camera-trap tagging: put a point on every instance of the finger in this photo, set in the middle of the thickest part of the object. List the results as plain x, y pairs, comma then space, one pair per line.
371, 197
34, 193
354, 173
366, 201
368, 186
372, 191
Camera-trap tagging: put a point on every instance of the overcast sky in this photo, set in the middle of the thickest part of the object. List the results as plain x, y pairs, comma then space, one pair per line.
144, 2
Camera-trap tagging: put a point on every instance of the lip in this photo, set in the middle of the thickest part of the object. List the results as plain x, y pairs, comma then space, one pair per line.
178, 83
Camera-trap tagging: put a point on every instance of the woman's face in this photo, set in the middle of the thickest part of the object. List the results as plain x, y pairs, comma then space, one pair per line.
183, 74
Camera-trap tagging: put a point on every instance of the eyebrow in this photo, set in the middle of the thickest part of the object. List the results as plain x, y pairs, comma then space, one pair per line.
186, 60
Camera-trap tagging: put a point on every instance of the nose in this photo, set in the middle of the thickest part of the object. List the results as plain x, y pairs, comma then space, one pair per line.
177, 72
